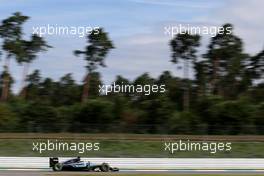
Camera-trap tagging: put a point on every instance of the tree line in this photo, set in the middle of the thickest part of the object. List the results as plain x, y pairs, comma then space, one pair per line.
226, 95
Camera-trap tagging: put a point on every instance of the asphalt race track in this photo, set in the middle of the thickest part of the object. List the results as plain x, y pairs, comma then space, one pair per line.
39, 166
143, 163
172, 172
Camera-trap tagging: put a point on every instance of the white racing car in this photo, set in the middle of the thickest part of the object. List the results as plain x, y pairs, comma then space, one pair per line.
77, 164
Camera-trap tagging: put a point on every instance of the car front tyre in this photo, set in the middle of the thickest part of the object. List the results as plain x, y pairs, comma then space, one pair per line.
105, 167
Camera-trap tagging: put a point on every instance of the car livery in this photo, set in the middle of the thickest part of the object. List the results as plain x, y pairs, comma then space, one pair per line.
76, 164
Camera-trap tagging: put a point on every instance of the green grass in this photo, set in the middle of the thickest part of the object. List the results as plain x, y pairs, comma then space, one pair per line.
158, 174
128, 146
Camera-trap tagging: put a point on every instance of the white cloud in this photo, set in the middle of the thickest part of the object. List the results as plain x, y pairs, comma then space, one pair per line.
247, 17
178, 3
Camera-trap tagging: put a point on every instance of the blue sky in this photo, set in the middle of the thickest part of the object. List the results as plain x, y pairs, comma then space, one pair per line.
136, 28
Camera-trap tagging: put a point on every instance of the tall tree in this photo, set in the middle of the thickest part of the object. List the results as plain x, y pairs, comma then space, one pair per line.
33, 85
68, 91
10, 32
201, 77
27, 52
95, 52
225, 59
3, 76
257, 65
183, 48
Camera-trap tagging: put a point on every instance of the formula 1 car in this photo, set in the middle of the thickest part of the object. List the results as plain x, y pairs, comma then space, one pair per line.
77, 165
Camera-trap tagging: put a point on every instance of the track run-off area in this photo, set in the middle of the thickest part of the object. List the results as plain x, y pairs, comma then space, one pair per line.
162, 164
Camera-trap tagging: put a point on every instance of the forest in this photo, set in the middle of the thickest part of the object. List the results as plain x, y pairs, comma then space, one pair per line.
225, 96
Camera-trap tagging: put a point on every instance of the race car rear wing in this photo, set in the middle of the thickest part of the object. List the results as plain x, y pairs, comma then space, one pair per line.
53, 161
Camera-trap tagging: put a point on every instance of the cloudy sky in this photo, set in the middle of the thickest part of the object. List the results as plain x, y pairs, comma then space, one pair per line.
136, 28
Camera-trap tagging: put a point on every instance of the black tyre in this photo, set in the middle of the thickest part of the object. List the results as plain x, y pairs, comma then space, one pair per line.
114, 169
105, 167
57, 167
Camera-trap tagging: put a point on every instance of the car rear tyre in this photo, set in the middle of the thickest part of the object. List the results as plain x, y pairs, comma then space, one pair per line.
57, 167
104, 167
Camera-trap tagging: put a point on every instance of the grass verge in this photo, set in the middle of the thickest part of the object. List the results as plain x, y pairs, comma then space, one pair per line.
158, 174
120, 145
